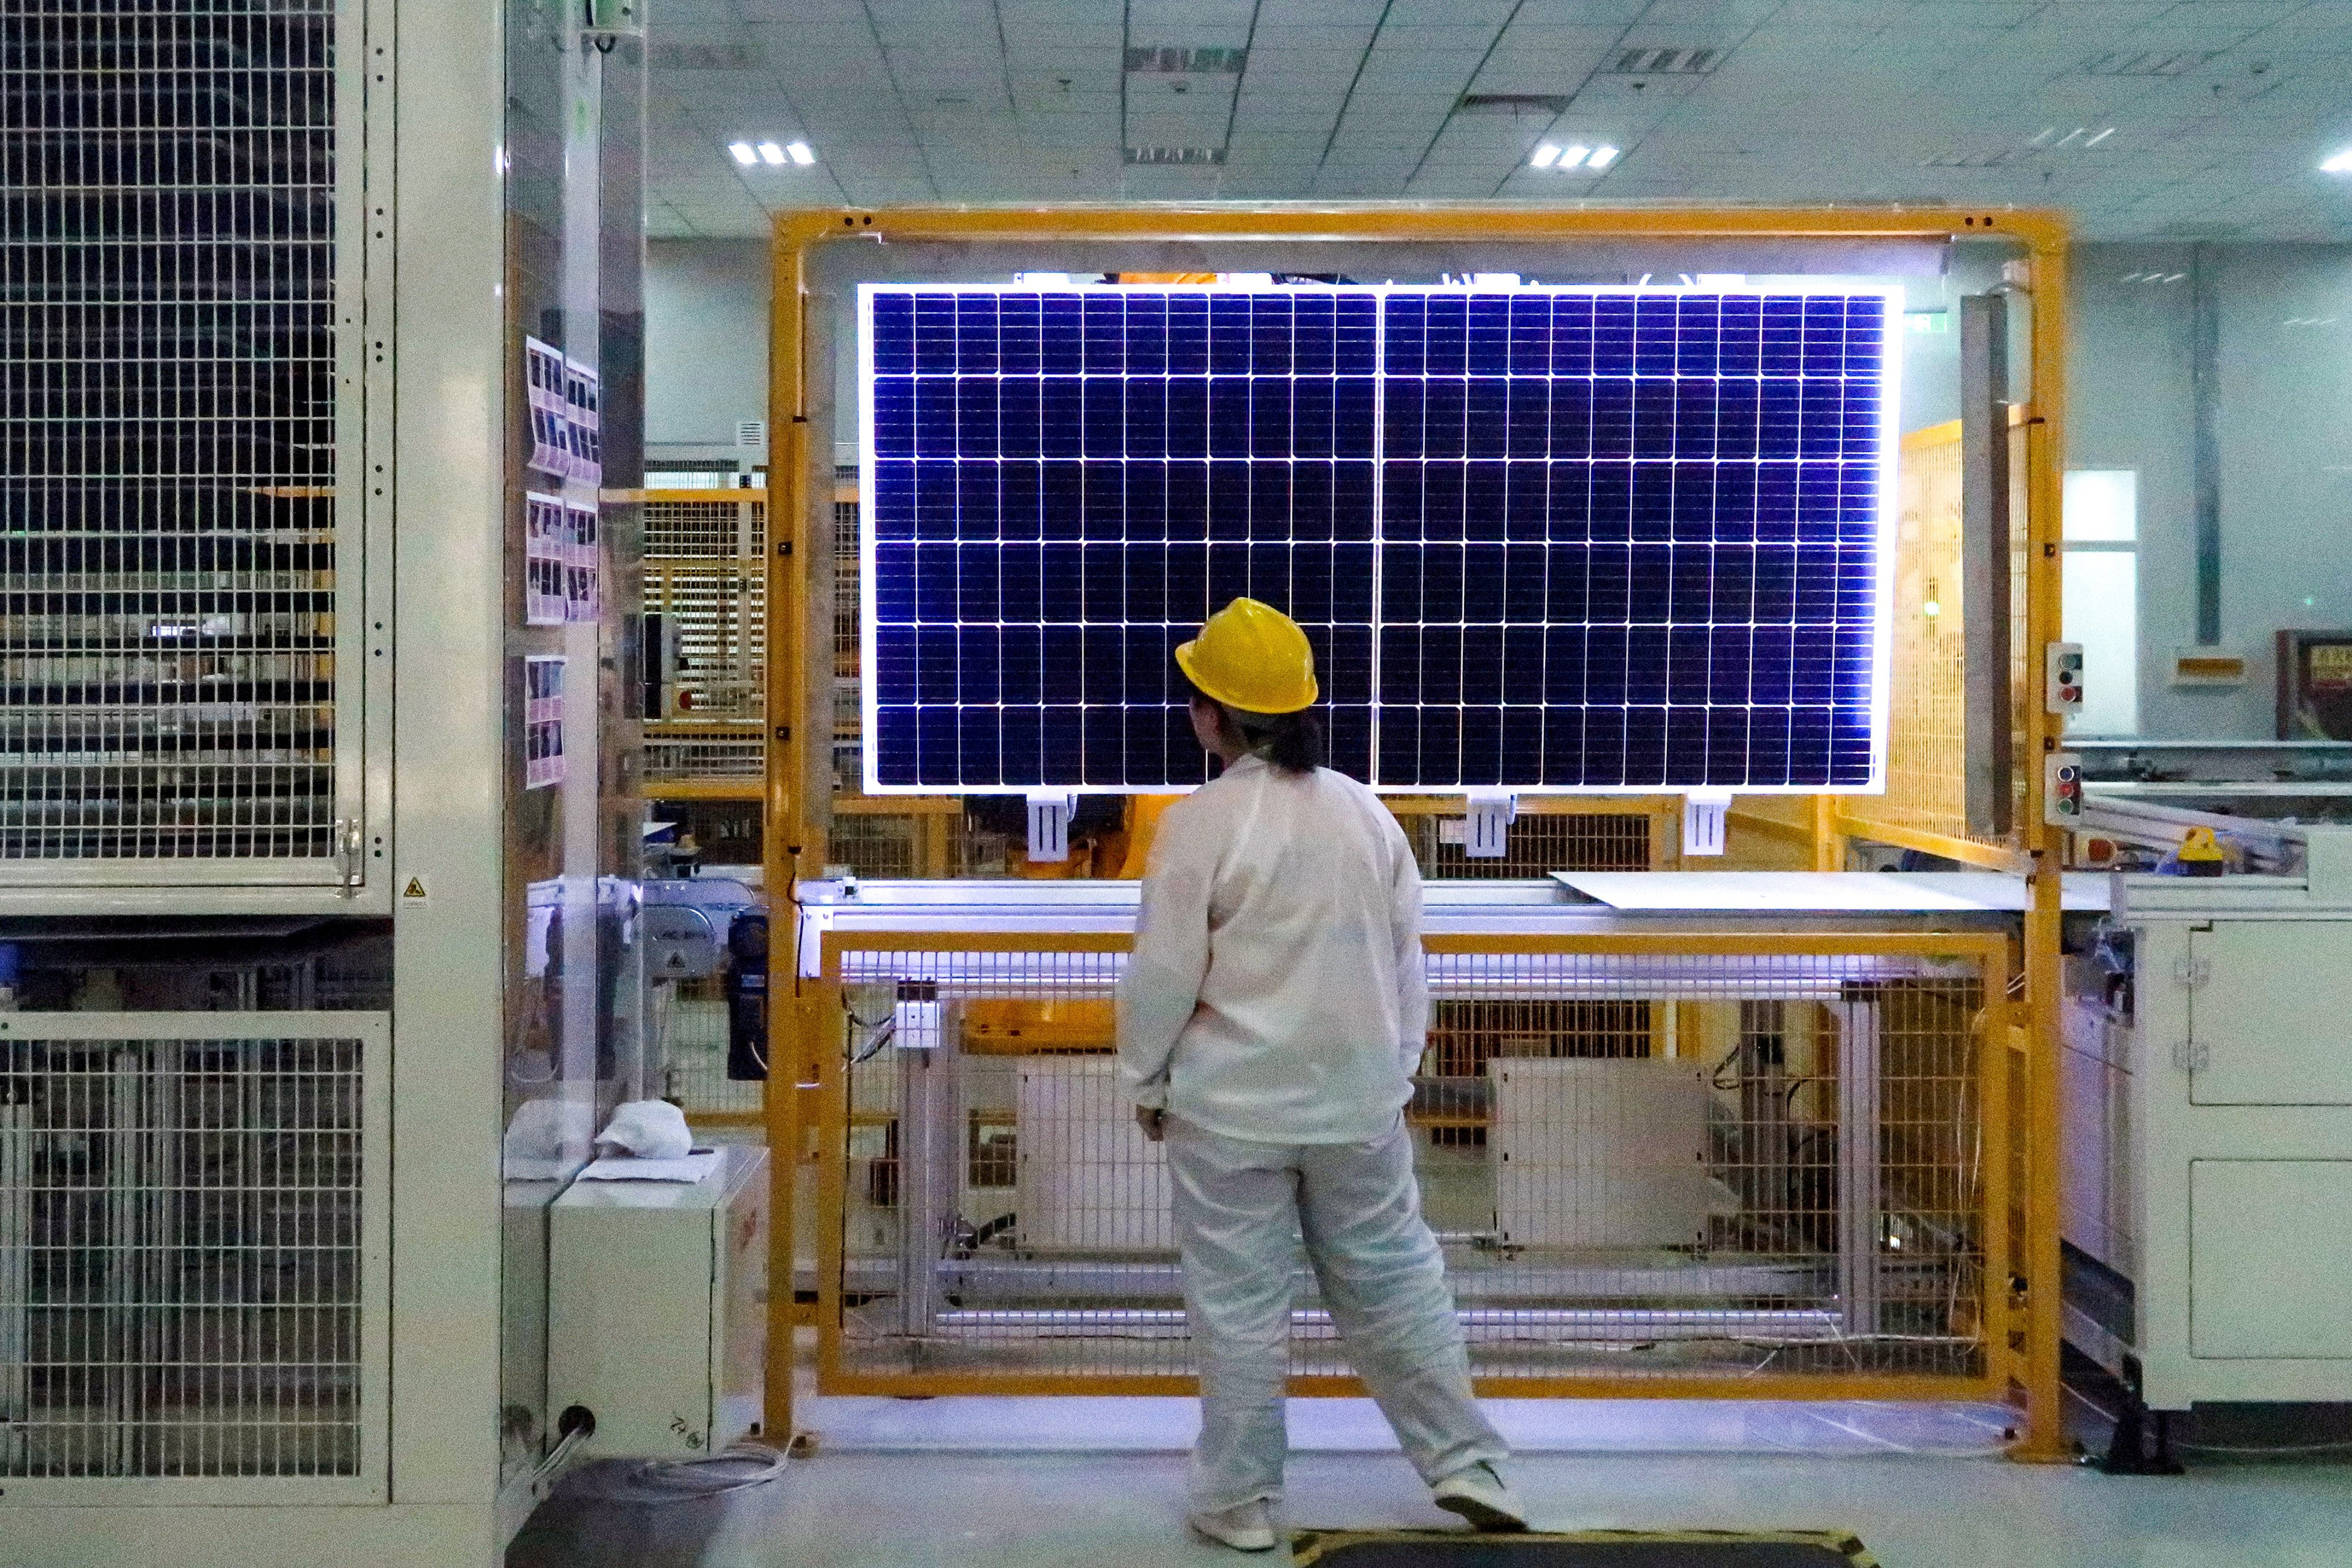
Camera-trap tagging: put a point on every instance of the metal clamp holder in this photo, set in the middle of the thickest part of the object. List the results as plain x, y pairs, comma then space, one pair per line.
1049, 823
1706, 813
1487, 832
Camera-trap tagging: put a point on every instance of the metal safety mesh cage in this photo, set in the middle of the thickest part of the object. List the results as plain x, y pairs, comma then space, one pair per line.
727, 525
181, 1258
693, 1020
1673, 1167
1537, 844
167, 430
712, 754
874, 847
848, 715
720, 609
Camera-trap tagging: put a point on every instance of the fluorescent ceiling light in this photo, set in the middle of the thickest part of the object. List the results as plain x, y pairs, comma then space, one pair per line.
1546, 155
743, 152
1570, 156
2102, 136
2339, 165
799, 153
770, 153
1602, 158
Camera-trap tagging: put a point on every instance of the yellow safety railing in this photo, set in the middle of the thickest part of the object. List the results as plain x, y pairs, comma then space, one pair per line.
1742, 1166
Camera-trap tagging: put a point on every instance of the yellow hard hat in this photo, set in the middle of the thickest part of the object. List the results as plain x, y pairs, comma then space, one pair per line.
1252, 657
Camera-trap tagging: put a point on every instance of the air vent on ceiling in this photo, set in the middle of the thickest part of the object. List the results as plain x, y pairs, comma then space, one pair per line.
1667, 62
705, 56
1192, 62
1516, 102
751, 432
1175, 154
2125, 62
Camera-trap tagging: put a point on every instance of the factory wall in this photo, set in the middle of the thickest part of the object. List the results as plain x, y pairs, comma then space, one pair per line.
2283, 421
706, 338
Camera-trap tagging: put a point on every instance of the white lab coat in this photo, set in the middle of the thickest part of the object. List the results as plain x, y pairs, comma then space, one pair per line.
1275, 1007
1275, 991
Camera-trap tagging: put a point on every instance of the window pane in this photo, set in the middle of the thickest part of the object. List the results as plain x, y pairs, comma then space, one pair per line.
2101, 610
2102, 504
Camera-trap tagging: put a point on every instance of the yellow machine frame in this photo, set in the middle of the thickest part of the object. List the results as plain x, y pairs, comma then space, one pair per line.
830, 1117
798, 688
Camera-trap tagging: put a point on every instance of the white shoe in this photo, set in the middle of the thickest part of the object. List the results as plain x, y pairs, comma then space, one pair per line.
1482, 1496
1247, 1527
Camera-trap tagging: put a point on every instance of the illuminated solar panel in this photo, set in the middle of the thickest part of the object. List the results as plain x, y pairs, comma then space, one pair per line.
1567, 539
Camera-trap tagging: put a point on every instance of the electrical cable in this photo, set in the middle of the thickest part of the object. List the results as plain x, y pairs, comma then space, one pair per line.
887, 1033
656, 1483
792, 905
851, 1022
2284, 1450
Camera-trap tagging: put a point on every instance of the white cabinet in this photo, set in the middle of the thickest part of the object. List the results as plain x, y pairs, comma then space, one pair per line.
2209, 1144
656, 1308
2269, 1013
2269, 1275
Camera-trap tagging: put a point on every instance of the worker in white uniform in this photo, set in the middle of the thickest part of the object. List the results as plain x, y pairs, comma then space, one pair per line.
1269, 1024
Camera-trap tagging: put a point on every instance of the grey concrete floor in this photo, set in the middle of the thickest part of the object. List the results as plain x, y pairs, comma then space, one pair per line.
944, 1501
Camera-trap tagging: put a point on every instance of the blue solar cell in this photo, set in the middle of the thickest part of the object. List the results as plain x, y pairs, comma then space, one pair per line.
1540, 538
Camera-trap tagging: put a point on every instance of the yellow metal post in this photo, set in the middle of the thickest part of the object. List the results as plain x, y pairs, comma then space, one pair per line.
1828, 841
785, 839
2045, 1437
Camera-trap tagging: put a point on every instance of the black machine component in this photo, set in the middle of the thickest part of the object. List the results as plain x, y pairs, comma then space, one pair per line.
747, 998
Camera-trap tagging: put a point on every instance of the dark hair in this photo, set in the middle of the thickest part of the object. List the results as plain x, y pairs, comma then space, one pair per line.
1290, 743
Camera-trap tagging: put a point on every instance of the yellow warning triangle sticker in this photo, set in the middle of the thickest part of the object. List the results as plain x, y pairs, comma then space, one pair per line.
416, 888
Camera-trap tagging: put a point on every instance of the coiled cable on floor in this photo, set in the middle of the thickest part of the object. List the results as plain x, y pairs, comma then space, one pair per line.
656, 1482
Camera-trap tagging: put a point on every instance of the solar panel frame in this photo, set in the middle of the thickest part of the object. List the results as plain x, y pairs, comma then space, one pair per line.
1493, 360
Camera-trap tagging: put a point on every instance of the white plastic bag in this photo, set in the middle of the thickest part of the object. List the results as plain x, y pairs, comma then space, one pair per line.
649, 1129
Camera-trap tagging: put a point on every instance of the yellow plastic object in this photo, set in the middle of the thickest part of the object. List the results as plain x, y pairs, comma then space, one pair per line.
1143, 813
2200, 854
1252, 657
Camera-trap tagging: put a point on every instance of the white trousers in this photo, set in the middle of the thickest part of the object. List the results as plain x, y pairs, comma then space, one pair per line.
1241, 1208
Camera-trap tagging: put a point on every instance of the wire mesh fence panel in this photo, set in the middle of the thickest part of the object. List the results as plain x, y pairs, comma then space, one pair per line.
706, 574
727, 525
848, 652
720, 610
184, 1275
732, 753
1537, 844
169, 585
847, 619
876, 847
694, 1032
1675, 1166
